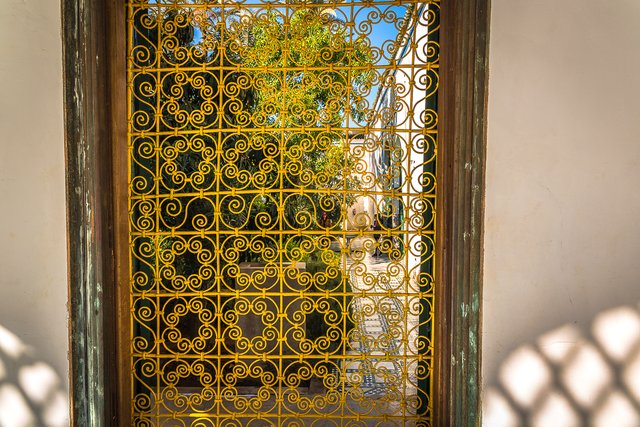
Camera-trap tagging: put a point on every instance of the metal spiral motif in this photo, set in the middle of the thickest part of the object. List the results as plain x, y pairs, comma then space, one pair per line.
282, 163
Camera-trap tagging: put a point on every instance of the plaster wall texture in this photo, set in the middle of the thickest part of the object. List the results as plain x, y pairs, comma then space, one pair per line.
561, 234
33, 253
562, 218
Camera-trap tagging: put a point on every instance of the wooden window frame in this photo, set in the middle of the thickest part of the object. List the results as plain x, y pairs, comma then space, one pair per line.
92, 58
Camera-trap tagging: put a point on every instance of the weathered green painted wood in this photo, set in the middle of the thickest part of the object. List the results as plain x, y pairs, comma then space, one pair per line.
88, 208
463, 111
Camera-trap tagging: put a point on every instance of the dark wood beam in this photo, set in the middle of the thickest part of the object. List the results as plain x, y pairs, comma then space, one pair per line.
89, 212
461, 165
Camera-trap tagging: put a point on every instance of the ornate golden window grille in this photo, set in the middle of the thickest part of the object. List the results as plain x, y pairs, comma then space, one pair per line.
281, 199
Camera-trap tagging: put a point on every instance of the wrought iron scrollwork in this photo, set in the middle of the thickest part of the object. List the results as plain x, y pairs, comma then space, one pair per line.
281, 196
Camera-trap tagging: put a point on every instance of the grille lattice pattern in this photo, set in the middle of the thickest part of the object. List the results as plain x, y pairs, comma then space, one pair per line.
282, 211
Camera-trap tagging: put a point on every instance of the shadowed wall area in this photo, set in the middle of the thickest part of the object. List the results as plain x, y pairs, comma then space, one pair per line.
572, 376
31, 392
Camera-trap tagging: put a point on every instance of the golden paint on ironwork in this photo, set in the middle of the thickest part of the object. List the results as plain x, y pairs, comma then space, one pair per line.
281, 199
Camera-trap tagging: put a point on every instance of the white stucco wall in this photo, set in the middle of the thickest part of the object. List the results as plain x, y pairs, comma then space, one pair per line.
562, 232
562, 219
33, 255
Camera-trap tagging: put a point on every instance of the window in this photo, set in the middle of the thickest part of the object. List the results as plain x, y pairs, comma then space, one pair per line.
244, 285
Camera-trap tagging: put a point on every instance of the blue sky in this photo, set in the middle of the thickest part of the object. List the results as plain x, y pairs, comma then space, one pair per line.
380, 31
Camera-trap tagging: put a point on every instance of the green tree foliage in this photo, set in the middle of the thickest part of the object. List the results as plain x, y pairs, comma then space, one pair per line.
300, 79
241, 99
261, 79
